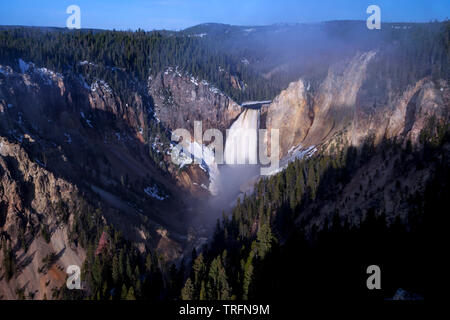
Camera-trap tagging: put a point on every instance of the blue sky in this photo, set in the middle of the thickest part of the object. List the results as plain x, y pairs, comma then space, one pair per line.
178, 14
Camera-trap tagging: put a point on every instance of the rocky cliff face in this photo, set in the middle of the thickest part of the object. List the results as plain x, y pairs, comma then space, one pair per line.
181, 99
290, 112
343, 106
46, 96
64, 142
335, 102
32, 200
423, 100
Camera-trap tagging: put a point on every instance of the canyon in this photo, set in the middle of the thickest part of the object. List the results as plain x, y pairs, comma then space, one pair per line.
76, 146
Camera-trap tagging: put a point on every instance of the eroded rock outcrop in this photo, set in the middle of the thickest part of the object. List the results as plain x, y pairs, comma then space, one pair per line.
181, 99
334, 104
31, 200
291, 114
342, 106
62, 143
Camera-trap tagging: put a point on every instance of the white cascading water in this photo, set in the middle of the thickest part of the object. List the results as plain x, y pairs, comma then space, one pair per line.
226, 180
241, 146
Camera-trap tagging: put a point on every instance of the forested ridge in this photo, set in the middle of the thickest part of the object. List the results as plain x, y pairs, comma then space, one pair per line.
406, 52
273, 58
139, 54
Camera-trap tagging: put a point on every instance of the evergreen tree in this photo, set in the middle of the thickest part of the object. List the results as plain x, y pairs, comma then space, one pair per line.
130, 294
123, 292
217, 285
187, 293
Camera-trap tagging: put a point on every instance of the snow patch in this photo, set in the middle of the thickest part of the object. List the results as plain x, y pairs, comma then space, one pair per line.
204, 157
68, 137
297, 152
39, 163
48, 75
89, 123
6, 70
294, 153
85, 62
100, 84
194, 81
155, 192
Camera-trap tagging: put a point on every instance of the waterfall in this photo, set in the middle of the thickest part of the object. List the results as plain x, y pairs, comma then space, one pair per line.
240, 159
241, 146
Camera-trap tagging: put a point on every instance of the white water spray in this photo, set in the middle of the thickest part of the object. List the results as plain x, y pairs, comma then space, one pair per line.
241, 146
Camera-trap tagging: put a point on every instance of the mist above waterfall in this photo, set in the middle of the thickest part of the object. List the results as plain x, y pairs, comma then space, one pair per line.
241, 158
240, 169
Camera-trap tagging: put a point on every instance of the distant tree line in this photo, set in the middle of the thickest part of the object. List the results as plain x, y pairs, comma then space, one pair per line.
140, 54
